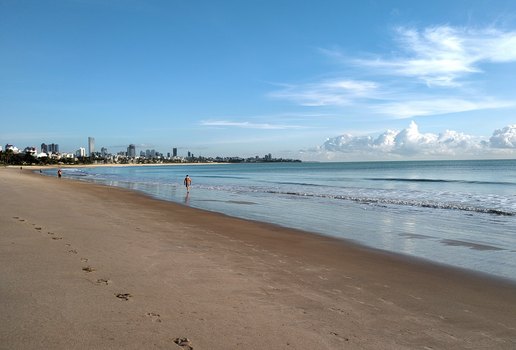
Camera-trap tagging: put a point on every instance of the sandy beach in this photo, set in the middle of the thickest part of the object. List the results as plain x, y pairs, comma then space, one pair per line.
84, 266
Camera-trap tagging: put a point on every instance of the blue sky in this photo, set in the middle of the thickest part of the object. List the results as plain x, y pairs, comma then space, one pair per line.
317, 80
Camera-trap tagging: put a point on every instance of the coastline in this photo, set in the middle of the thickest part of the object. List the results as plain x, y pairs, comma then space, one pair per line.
224, 283
55, 166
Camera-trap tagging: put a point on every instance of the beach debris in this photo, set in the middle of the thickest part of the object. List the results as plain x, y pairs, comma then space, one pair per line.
88, 269
184, 343
123, 296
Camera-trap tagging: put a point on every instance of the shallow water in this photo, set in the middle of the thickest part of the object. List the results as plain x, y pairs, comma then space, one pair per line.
461, 213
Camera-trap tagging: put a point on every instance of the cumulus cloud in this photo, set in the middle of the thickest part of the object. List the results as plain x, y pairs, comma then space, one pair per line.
504, 138
410, 142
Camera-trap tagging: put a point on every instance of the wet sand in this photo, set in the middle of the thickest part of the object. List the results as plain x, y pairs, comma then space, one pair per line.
84, 266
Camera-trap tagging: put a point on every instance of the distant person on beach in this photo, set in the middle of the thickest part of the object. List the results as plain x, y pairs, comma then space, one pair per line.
188, 183
59, 173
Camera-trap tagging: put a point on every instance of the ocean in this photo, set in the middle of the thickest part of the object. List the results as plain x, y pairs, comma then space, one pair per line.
458, 213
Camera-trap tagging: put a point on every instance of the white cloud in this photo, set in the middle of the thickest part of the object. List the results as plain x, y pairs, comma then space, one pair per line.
248, 125
435, 106
410, 142
329, 92
504, 138
441, 55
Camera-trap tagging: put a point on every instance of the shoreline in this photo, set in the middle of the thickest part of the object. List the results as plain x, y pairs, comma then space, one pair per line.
481, 270
403, 258
223, 282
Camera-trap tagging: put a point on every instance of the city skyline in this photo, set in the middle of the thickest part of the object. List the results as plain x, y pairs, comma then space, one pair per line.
131, 151
330, 81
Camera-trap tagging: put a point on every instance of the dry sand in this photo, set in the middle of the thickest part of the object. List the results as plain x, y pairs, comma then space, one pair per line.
91, 267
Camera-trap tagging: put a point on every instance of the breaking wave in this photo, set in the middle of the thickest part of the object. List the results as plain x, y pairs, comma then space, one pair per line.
394, 201
442, 181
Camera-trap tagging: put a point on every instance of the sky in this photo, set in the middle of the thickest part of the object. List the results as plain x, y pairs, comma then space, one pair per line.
321, 80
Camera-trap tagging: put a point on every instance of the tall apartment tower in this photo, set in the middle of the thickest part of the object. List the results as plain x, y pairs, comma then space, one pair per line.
91, 146
174, 152
131, 151
53, 148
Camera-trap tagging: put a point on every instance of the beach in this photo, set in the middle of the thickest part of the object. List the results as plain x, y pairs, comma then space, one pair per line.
86, 266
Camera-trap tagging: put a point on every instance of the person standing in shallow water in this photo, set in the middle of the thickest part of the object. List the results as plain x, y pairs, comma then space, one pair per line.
59, 173
188, 183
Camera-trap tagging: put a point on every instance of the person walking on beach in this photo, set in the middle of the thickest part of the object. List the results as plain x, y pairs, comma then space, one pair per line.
188, 183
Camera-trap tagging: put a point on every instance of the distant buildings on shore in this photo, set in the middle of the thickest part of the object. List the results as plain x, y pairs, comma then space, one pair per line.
91, 146
50, 155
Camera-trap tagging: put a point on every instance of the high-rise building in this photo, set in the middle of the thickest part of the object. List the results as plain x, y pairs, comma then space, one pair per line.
150, 153
53, 148
81, 152
103, 152
91, 146
174, 152
50, 148
131, 151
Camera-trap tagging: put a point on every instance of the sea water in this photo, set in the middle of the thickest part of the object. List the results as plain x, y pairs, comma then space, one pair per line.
460, 213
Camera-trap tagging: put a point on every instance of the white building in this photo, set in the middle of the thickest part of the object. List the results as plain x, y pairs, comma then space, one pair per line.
81, 152
31, 150
12, 148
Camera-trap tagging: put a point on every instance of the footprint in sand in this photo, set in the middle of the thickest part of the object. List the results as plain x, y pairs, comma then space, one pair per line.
123, 296
38, 228
339, 336
339, 310
73, 251
84, 260
57, 238
154, 316
88, 269
50, 233
103, 281
185, 343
